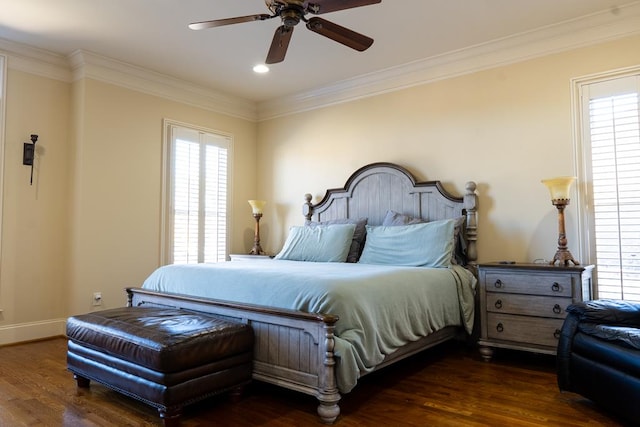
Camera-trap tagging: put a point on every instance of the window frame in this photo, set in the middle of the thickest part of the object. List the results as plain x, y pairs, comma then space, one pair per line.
166, 225
3, 103
582, 163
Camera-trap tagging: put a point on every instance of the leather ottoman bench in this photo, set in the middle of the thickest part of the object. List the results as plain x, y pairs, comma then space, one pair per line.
165, 357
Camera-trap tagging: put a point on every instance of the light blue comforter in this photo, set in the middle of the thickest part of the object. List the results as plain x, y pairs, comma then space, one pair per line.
381, 308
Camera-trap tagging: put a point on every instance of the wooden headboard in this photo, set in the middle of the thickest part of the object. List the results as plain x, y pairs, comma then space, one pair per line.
376, 188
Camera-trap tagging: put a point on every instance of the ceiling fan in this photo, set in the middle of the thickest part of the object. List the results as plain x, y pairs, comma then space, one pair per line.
291, 12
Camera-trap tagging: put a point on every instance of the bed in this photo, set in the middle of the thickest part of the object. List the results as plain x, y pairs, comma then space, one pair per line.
319, 326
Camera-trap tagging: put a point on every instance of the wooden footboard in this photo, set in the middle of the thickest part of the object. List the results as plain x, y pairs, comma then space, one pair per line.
292, 349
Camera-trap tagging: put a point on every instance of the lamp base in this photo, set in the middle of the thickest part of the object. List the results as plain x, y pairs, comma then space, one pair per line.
257, 250
563, 256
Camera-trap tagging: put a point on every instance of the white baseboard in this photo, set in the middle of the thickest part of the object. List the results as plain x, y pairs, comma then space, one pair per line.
20, 332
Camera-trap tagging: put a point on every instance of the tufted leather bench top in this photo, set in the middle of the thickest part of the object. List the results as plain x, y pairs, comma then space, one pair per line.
161, 339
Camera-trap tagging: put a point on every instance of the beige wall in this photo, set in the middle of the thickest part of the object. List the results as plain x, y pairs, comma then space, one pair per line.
117, 196
505, 128
35, 256
91, 221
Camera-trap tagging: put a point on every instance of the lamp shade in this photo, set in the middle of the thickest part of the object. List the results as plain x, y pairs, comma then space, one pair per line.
257, 205
559, 187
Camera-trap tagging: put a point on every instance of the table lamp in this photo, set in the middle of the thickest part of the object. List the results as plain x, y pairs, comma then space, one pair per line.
256, 207
559, 188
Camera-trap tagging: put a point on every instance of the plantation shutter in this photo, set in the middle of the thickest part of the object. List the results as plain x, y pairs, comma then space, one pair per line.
612, 108
198, 178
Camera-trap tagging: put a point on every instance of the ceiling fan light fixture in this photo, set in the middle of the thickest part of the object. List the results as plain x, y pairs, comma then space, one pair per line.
260, 69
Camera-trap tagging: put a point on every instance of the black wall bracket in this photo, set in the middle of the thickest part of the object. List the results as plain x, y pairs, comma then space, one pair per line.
29, 154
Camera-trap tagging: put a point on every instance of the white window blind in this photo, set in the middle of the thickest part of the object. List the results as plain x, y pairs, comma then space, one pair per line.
197, 196
612, 114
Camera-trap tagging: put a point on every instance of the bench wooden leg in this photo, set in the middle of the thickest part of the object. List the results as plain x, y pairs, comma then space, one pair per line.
81, 381
170, 418
235, 394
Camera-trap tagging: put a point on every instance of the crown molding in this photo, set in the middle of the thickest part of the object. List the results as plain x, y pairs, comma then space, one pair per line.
576, 33
584, 31
86, 64
36, 61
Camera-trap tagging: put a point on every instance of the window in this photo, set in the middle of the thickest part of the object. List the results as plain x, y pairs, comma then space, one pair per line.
196, 191
611, 169
3, 81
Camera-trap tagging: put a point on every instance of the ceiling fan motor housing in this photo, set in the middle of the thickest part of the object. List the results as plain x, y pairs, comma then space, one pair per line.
291, 16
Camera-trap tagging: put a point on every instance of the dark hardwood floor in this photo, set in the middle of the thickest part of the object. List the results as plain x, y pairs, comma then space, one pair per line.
448, 386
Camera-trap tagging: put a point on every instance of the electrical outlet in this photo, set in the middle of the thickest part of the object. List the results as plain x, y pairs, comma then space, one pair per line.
97, 298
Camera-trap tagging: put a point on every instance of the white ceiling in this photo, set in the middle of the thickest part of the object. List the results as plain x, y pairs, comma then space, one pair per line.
153, 34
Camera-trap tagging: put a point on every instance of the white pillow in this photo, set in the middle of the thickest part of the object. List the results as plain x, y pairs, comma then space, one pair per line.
322, 243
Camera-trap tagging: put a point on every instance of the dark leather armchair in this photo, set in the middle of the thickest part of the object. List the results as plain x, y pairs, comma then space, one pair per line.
599, 355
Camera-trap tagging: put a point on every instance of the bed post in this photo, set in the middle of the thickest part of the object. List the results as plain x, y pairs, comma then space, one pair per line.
328, 394
129, 297
307, 208
471, 207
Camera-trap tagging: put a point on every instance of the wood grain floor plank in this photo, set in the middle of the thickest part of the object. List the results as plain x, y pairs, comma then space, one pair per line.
449, 386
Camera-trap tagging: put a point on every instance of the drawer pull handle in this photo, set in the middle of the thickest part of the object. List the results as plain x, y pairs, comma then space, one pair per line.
498, 283
498, 304
556, 334
499, 327
557, 309
555, 287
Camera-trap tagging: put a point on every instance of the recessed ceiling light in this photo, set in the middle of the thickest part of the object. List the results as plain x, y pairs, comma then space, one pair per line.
261, 69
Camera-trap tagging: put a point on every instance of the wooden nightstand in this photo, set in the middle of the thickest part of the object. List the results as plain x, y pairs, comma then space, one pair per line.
522, 306
247, 257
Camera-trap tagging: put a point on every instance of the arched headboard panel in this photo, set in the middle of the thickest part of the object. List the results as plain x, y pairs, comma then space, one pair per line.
376, 188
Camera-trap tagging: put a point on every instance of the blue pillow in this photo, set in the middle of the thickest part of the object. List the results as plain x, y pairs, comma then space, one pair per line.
428, 244
322, 243
359, 235
459, 243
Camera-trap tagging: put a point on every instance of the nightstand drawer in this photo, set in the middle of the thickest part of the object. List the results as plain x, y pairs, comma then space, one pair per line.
527, 305
532, 284
530, 330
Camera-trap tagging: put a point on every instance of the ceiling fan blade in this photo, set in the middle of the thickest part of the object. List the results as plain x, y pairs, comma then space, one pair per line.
318, 7
228, 21
340, 34
279, 44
